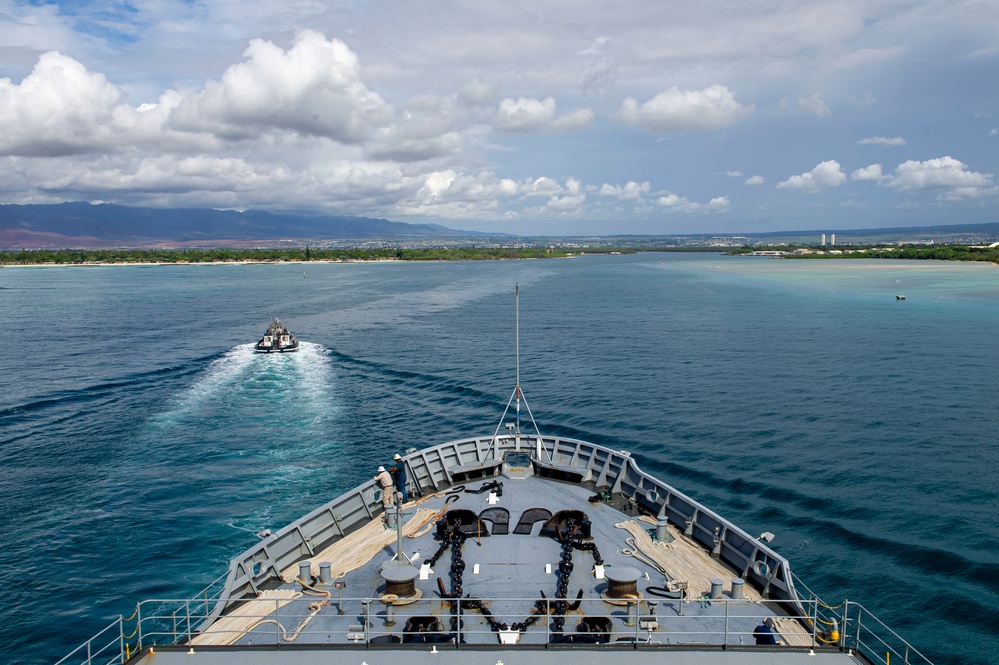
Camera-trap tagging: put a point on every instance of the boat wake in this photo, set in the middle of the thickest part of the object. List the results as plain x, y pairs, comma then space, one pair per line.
242, 383
255, 433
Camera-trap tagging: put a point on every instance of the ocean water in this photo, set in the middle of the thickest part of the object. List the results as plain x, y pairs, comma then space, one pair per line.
142, 442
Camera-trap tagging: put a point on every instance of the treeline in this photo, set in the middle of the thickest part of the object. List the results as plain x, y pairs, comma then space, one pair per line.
936, 252
100, 256
914, 252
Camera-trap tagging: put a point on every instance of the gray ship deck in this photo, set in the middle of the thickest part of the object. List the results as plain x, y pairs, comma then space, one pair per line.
509, 572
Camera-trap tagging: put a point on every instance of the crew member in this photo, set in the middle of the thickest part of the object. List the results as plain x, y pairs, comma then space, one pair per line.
398, 472
764, 633
384, 479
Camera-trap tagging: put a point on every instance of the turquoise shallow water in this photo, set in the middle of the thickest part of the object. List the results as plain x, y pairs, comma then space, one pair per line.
143, 443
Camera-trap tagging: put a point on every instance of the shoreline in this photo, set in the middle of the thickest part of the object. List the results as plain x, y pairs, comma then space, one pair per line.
119, 264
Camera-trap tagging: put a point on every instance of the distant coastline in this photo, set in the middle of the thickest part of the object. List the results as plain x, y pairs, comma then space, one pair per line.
223, 256
92, 258
941, 252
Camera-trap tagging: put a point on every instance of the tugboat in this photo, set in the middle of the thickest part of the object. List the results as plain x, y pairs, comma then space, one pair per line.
277, 339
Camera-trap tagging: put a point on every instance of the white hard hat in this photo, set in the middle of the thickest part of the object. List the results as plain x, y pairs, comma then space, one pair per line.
381, 468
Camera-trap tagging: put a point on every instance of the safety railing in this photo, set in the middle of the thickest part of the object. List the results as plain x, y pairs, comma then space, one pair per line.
860, 629
371, 621
104, 648
122, 638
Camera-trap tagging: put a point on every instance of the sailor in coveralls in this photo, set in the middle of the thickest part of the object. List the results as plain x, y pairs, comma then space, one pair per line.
384, 479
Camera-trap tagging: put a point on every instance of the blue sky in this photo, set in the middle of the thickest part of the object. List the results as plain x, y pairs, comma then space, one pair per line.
539, 117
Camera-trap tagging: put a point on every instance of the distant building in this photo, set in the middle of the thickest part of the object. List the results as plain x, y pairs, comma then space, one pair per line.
833, 240
823, 239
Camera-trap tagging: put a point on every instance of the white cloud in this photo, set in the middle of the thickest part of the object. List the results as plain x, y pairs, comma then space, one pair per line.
675, 110
528, 115
882, 140
524, 115
872, 172
411, 115
630, 191
313, 89
944, 173
36, 27
826, 174
814, 104
58, 109
683, 205
507, 187
566, 203
543, 186
478, 93
436, 183
575, 120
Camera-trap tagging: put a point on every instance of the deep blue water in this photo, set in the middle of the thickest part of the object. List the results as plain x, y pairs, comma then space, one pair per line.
142, 443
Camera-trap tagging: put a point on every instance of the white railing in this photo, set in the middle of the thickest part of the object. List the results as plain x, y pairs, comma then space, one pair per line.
179, 623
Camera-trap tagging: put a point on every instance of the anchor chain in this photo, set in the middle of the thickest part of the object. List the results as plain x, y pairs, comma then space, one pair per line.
454, 538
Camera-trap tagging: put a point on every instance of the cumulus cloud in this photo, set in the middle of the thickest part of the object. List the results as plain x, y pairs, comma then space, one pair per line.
436, 183
524, 115
882, 140
683, 205
676, 110
314, 89
528, 115
543, 186
297, 121
566, 203
58, 109
942, 173
630, 191
872, 172
826, 174
424, 128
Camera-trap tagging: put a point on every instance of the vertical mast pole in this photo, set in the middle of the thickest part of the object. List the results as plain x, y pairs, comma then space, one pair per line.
517, 292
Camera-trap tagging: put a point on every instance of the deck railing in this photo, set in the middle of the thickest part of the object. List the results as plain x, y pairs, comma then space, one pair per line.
119, 640
860, 628
179, 623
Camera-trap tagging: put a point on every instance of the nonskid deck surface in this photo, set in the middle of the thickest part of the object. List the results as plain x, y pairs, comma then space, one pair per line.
509, 572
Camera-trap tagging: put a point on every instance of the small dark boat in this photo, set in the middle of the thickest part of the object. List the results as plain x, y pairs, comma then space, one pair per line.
277, 339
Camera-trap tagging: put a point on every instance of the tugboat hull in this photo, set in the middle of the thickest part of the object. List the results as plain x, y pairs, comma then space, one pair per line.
277, 339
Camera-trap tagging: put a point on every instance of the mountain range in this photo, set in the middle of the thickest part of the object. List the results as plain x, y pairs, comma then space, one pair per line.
95, 226
67, 225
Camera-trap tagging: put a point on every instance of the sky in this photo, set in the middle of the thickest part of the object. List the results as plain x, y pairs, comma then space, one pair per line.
542, 117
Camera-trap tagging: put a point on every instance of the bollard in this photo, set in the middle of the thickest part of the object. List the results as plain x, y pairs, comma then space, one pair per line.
737, 591
716, 588
662, 530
